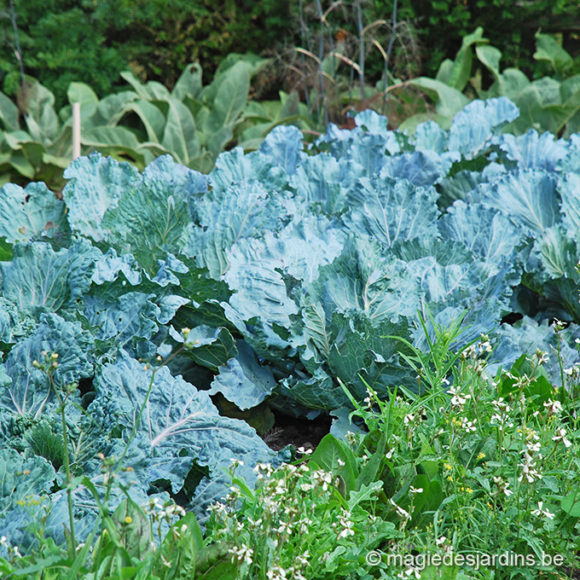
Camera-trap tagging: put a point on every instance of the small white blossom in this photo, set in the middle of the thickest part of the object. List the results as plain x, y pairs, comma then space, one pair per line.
458, 400
400, 511
529, 471
276, 573
542, 512
561, 436
242, 554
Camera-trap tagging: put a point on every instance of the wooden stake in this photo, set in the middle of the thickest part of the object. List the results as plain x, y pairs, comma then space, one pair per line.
76, 127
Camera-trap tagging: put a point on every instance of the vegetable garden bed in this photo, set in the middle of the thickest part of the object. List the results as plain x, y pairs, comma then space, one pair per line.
152, 324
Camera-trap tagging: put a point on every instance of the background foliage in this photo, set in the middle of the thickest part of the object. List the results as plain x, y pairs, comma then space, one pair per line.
93, 41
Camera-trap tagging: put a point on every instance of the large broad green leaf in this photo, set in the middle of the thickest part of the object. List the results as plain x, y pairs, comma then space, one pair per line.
21, 164
179, 134
526, 336
511, 83
39, 114
258, 268
548, 50
29, 394
456, 73
149, 91
323, 183
449, 101
30, 213
151, 116
179, 429
25, 483
488, 234
109, 110
490, 57
151, 217
118, 142
228, 95
86, 97
527, 197
8, 114
242, 380
189, 84
40, 279
569, 188
473, 127
534, 151
533, 102
96, 184
243, 214
389, 209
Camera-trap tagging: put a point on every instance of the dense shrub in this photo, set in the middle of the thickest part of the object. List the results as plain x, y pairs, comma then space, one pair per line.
509, 24
93, 41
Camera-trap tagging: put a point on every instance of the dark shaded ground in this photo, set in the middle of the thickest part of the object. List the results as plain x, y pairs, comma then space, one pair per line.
298, 432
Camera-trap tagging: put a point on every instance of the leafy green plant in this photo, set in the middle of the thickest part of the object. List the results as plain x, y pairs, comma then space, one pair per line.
550, 103
192, 123
481, 466
299, 522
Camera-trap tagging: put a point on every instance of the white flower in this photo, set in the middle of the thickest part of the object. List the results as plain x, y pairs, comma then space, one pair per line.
561, 436
410, 572
540, 511
303, 559
503, 486
242, 554
415, 490
529, 469
276, 573
400, 511
458, 400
